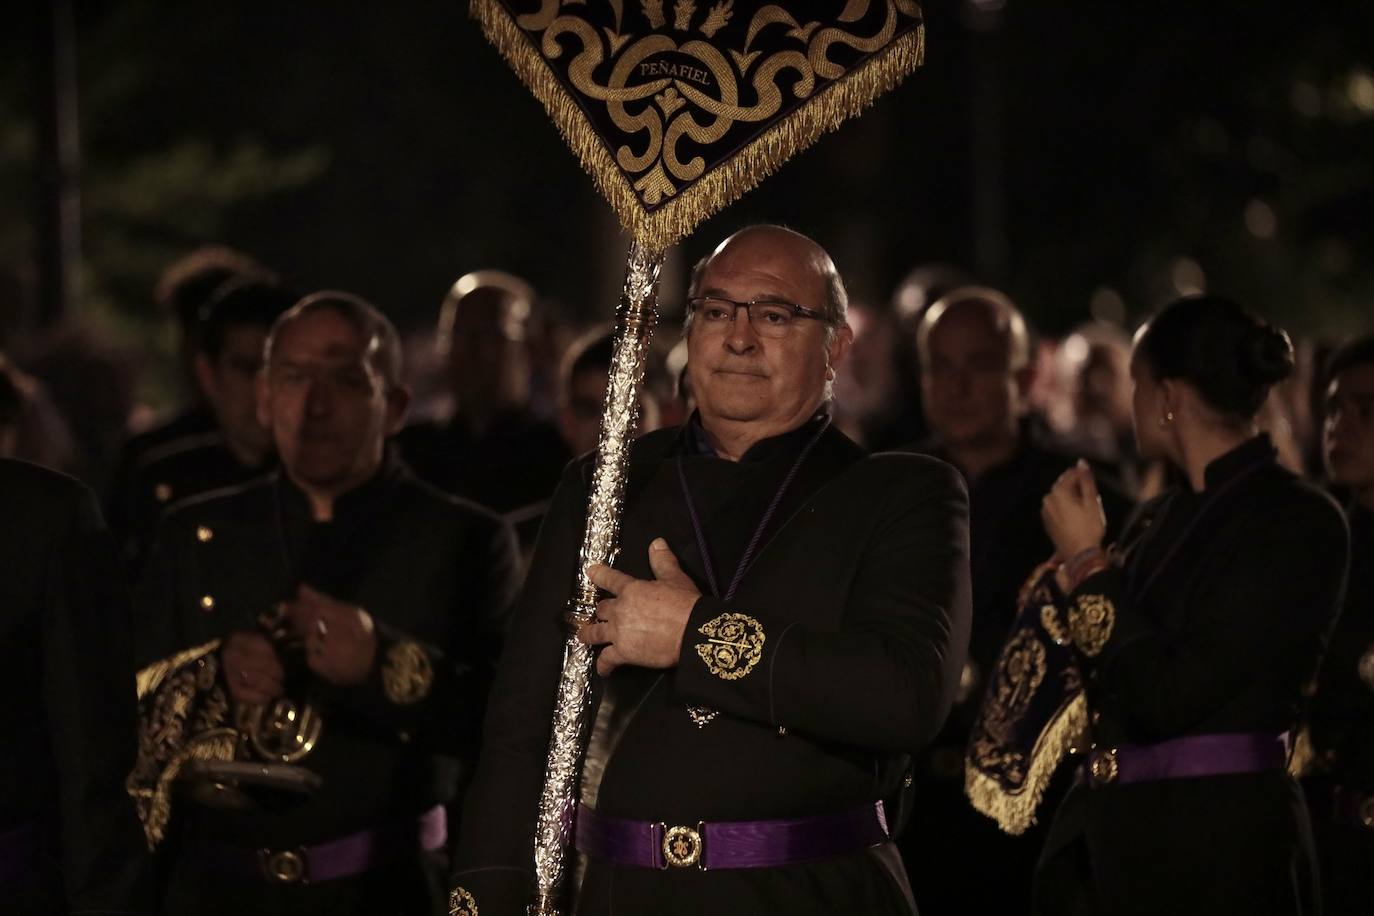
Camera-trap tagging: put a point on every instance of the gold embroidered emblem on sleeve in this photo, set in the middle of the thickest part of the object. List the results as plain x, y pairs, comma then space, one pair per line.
461, 903
1049, 619
407, 674
733, 646
1091, 619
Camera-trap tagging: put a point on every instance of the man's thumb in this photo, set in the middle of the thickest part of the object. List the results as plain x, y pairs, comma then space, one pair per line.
664, 565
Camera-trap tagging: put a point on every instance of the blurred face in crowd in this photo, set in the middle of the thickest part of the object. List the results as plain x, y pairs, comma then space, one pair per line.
229, 381
326, 402
973, 395
1104, 385
580, 416
767, 385
1348, 433
488, 354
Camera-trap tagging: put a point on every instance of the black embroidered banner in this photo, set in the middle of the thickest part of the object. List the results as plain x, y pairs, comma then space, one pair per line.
1033, 711
677, 107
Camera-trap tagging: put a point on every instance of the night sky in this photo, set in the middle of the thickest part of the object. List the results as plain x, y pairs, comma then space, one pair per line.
1072, 152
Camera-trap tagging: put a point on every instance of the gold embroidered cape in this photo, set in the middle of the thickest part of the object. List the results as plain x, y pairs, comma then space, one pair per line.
677, 107
1032, 713
184, 715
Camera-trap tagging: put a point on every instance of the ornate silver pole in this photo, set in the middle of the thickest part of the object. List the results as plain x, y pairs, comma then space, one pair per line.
600, 541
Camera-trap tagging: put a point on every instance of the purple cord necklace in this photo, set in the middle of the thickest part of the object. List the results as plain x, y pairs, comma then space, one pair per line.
701, 715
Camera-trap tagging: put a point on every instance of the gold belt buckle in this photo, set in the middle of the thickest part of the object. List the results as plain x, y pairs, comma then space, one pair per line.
683, 846
284, 866
1103, 767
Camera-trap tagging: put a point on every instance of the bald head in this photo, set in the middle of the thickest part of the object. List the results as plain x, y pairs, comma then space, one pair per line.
753, 381
975, 375
810, 266
982, 309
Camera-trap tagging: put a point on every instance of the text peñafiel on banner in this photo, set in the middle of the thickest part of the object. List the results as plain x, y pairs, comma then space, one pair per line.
677, 107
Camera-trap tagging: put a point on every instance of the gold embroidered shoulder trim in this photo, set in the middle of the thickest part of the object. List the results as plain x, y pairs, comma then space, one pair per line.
407, 674
733, 646
148, 679
461, 903
1091, 619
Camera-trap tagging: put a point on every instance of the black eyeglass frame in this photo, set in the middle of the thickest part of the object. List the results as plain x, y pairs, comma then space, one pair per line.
798, 311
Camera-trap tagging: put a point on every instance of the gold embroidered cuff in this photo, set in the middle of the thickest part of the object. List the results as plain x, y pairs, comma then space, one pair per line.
733, 646
1091, 619
407, 674
461, 903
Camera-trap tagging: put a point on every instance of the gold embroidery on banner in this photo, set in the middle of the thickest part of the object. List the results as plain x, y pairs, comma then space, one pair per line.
407, 674
733, 646
182, 718
655, 167
1091, 619
461, 903
1021, 671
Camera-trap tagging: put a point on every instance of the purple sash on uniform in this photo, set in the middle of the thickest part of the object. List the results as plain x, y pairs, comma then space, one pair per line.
1188, 757
342, 857
730, 844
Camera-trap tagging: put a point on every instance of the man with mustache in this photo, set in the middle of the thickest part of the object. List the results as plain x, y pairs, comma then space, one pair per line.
784, 628
344, 579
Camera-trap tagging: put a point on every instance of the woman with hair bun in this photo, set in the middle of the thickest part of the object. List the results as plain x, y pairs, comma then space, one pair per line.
1195, 636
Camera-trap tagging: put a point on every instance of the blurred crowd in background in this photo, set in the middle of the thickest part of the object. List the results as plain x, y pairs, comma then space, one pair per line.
515, 374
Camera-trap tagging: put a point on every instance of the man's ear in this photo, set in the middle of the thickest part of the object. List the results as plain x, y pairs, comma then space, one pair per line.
839, 346
397, 403
206, 378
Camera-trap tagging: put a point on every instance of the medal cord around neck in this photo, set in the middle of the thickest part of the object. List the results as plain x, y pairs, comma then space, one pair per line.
700, 531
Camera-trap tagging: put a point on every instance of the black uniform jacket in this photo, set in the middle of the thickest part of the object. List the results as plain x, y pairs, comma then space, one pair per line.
67, 724
512, 464
434, 572
123, 495
860, 591
1339, 775
1213, 624
173, 472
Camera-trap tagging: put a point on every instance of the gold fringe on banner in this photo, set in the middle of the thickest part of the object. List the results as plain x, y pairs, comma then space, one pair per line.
657, 231
1015, 813
148, 679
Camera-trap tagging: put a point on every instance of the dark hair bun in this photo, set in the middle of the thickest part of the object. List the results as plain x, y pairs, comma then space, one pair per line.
1267, 355
1227, 354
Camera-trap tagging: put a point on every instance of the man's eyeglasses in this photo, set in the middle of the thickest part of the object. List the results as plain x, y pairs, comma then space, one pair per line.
768, 317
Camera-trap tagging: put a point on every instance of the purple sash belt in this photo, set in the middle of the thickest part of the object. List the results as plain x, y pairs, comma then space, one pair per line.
1188, 757
729, 844
17, 852
343, 857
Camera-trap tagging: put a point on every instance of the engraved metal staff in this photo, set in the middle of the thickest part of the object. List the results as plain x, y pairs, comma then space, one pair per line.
600, 540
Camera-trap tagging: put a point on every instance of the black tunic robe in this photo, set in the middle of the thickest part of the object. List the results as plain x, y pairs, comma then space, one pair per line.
68, 722
433, 571
1221, 611
860, 587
